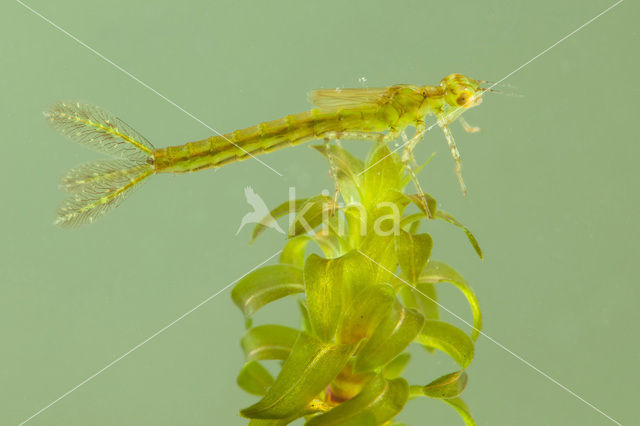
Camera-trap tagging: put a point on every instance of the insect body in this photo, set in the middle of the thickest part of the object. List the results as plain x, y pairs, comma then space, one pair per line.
379, 114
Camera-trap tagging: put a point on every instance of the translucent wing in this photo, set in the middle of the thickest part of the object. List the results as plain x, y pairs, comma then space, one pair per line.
347, 98
98, 129
97, 188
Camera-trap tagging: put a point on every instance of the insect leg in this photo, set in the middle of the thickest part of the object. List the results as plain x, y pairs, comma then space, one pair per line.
467, 127
408, 158
367, 136
333, 169
456, 156
352, 135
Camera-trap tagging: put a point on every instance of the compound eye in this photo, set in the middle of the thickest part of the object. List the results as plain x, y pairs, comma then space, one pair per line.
464, 98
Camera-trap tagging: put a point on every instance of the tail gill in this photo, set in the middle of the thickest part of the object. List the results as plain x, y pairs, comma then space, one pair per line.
97, 187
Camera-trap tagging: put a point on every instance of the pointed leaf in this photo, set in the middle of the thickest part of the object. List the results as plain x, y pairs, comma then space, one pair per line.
348, 169
390, 338
437, 272
380, 252
265, 285
314, 406
308, 370
447, 386
364, 311
409, 221
395, 368
268, 342
449, 339
422, 297
356, 218
330, 244
310, 215
414, 228
379, 401
283, 209
432, 205
343, 292
294, 250
385, 216
413, 254
448, 218
322, 283
271, 422
304, 312
254, 378
382, 174
462, 410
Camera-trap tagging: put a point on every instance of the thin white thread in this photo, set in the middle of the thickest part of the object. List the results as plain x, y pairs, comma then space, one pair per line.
485, 91
101, 56
500, 345
136, 347
220, 291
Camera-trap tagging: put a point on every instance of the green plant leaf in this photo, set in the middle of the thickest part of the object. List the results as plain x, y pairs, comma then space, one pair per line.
449, 339
314, 406
431, 204
395, 368
283, 209
448, 218
294, 250
331, 237
348, 383
445, 387
271, 422
310, 215
265, 285
380, 252
306, 321
414, 228
254, 378
348, 169
390, 338
382, 174
268, 342
385, 217
462, 410
407, 222
309, 369
413, 253
359, 303
322, 283
379, 401
438, 272
356, 219
422, 297
366, 307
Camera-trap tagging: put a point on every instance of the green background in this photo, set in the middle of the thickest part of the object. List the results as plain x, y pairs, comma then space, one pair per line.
553, 199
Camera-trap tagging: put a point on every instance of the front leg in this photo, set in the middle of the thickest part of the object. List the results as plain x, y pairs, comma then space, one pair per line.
456, 156
467, 127
444, 120
407, 158
333, 169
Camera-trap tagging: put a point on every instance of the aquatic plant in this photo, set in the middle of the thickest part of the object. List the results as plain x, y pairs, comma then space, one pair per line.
368, 295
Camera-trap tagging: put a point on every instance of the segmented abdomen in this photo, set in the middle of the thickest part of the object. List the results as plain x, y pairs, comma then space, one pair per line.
269, 136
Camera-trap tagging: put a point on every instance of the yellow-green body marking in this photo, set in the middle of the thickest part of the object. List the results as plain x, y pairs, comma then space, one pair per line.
380, 114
